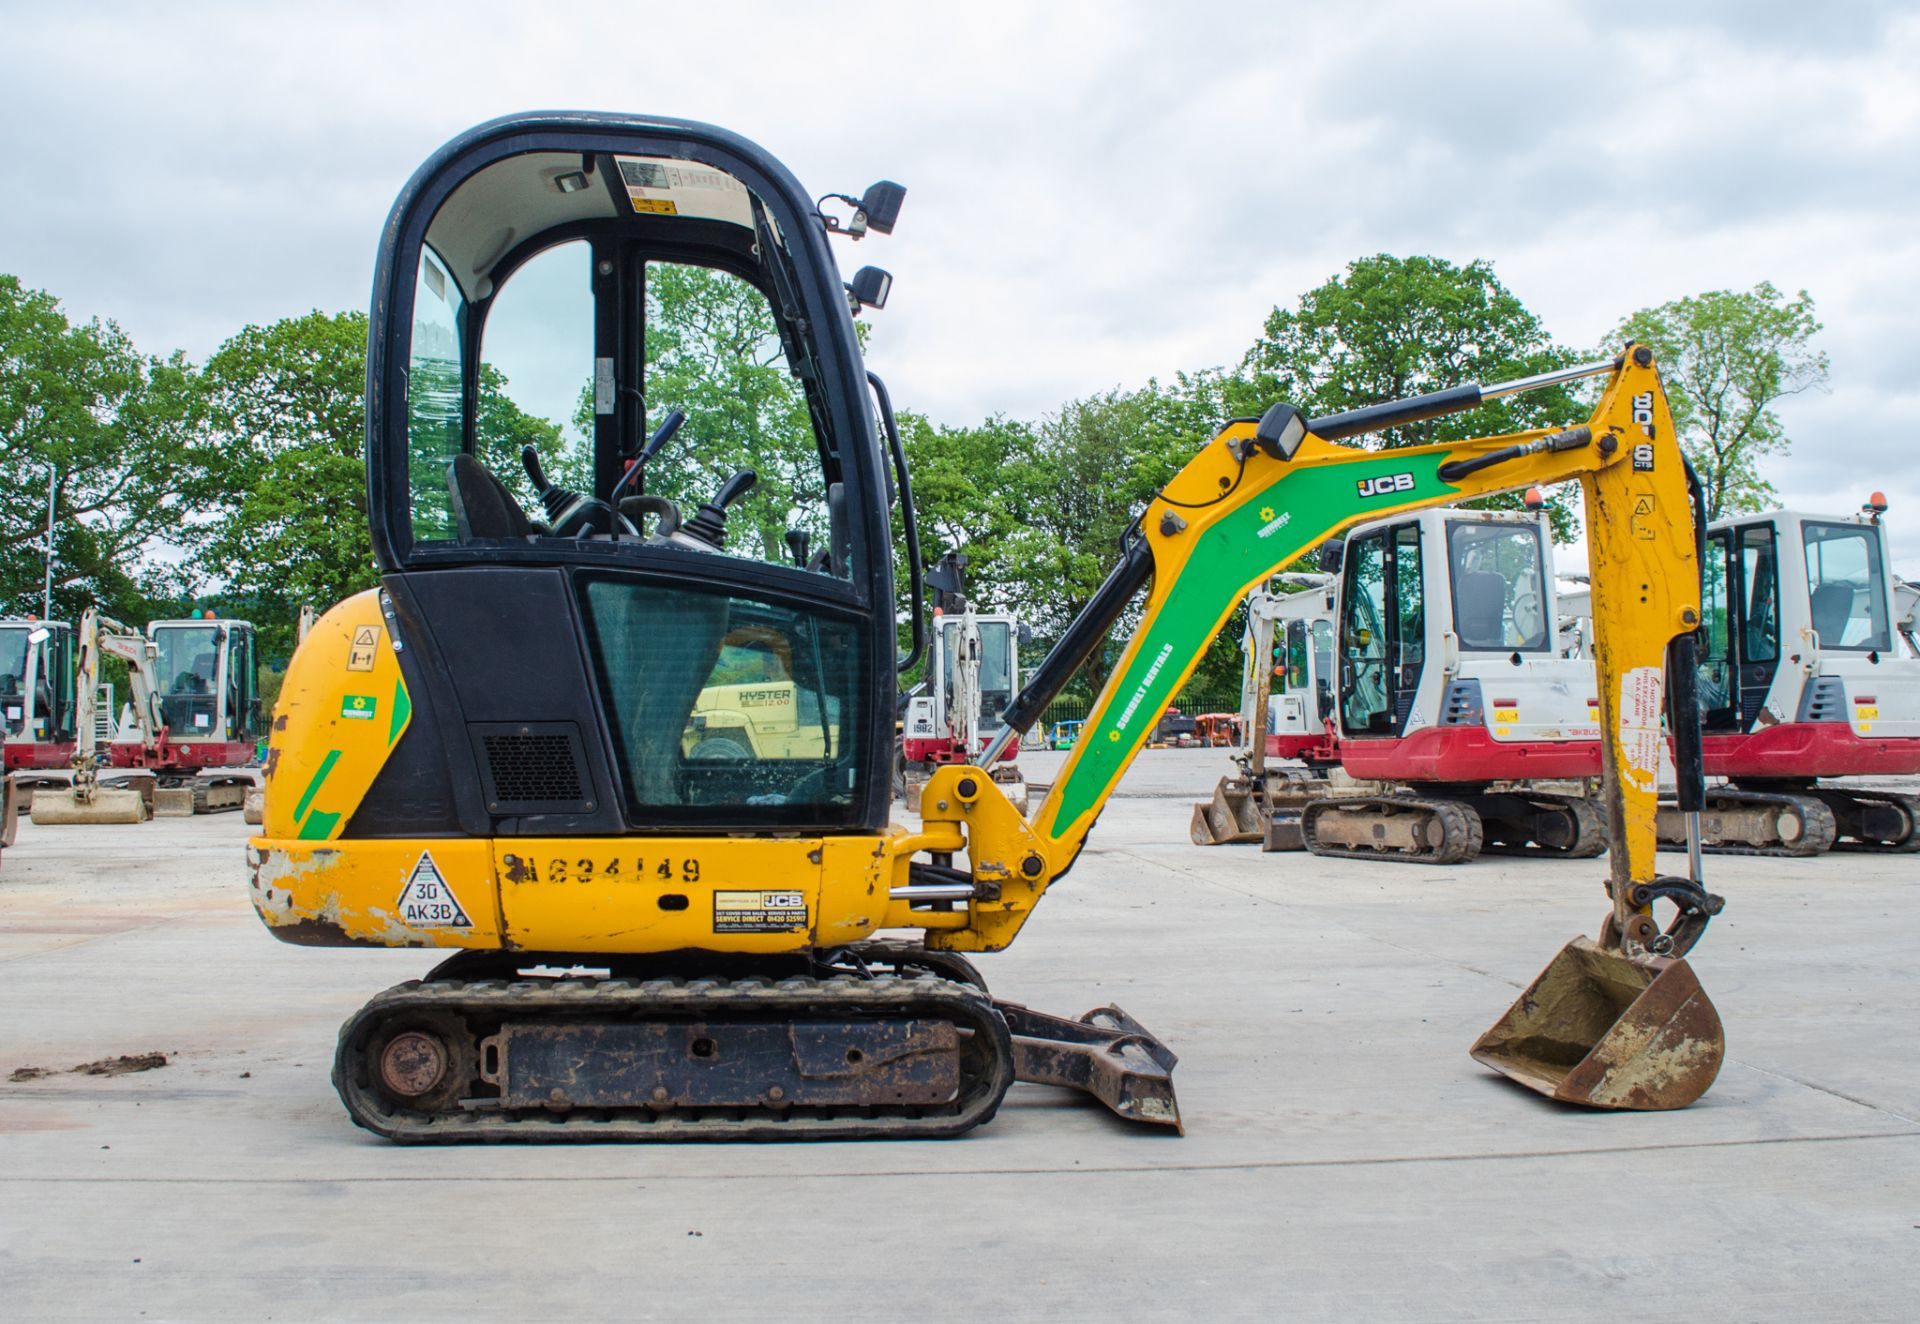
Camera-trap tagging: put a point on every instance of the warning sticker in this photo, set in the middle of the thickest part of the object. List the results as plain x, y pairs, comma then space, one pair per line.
1639, 729
365, 639
656, 206
361, 706
759, 912
426, 902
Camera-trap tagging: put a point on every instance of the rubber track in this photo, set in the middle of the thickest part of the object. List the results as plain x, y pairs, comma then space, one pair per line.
1590, 833
1817, 837
486, 1004
1909, 804
1461, 829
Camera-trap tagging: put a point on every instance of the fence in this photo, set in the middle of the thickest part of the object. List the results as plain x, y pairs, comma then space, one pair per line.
1074, 708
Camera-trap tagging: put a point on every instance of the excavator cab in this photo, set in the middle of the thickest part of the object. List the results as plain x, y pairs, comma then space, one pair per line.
36, 692
624, 460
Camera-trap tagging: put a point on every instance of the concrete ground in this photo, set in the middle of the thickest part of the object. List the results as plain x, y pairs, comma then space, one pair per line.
1343, 1156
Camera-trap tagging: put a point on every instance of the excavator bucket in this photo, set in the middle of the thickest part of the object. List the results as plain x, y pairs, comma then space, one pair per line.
107, 804
1232, 816
1610, 1031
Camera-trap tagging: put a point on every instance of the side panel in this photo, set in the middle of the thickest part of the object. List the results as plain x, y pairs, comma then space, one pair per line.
341, 710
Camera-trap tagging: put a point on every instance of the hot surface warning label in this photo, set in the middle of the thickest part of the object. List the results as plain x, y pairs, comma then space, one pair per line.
1640, 736
759, 912
426, 902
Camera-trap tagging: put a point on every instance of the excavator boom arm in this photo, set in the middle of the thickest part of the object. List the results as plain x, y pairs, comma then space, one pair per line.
1239, 511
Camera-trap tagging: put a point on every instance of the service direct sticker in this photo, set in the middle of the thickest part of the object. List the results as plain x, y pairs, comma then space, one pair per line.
759, 912
1640, 738
361, 706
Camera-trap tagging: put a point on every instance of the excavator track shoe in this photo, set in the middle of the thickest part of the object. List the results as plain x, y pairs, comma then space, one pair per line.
1605, 1030
1567, 827
1400, 828
572, 1059
1744, 822
1885, 822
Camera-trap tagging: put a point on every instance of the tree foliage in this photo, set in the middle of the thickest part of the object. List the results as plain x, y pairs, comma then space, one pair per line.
1727, 358
79, 404
1392, 327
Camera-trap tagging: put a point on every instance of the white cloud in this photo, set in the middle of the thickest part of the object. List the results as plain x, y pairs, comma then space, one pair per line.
1098, 192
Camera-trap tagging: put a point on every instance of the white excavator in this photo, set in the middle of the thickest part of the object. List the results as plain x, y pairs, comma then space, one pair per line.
1453, 721
973, 672
188, 730
1804, 689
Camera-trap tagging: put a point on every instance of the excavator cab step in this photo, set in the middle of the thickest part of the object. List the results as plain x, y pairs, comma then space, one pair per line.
1606, 1030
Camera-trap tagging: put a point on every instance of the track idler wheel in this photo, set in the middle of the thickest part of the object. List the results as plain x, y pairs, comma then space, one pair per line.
425, 1063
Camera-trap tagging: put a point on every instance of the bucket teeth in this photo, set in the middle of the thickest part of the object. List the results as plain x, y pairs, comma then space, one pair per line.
1605, 1030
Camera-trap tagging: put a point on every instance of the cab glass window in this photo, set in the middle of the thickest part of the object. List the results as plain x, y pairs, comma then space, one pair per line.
434, 372
1846, 587
1716, 685
714, 353
534, 383
1365, 704
725, 708
187, 671
1498, 577
1760, 575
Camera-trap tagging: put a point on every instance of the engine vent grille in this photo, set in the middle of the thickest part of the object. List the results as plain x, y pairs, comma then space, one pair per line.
533, 767
1464, 706
1824, 700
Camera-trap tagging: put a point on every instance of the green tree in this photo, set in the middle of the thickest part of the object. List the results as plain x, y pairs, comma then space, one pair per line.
283, 476
78, 402
1391, 327
1727, 357
1093, 467
713, 351
963, 499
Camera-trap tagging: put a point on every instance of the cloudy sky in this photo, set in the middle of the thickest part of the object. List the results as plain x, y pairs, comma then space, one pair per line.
1098, 193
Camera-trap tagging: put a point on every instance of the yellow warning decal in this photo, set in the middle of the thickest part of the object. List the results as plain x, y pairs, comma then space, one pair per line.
1864, 712
1506, 714
656, 206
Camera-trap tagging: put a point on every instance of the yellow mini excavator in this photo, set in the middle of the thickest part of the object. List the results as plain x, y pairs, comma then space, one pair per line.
498, 752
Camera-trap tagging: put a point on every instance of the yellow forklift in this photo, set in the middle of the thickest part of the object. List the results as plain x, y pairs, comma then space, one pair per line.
493, 753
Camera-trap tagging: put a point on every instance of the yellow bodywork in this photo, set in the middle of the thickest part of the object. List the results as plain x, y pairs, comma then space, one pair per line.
641, 894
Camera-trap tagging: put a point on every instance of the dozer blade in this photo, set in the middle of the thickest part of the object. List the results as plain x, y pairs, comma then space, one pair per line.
1232, 816
1106, 1053
1610, 1031
107, 805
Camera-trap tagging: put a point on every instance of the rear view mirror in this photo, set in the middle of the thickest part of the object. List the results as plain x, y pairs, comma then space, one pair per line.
1333, 553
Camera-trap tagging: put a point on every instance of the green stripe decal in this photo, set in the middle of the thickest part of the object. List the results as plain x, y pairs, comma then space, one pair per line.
319, 827
402, 709
1272, 527
313, 787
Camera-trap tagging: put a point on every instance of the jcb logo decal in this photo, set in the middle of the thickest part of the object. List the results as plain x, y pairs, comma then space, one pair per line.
1384, 484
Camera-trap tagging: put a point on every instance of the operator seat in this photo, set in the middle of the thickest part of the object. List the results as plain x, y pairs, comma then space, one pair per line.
1832, 608
1482, 597
482, 505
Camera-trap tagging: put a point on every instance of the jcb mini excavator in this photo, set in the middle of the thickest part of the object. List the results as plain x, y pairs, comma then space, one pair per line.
487, 754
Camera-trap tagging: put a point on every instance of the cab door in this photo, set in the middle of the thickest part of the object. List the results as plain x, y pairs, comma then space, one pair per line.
1382, 631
